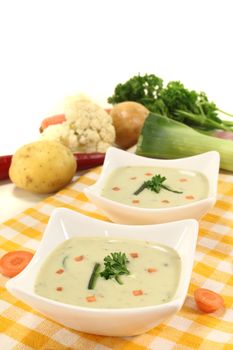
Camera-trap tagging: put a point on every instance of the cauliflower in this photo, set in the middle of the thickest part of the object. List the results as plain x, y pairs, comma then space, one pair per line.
88, 127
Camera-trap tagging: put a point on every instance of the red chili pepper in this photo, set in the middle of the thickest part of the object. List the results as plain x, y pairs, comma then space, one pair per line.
5, 162
84, 161
89, 160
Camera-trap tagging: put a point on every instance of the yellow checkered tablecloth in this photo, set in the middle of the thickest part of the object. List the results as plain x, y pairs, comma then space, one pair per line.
22, 328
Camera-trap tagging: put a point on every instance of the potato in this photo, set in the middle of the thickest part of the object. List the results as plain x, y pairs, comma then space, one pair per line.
128, 119
42, 166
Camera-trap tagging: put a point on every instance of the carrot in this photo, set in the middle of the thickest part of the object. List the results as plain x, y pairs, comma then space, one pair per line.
91, 299
59, 289
116, 188
55, 119
207, 300
151, 269
108, 110
137, 292
189, 197
79, 258
12, 263
134, 255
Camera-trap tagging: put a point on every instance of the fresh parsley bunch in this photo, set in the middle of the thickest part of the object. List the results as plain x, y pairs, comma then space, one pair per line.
174, 101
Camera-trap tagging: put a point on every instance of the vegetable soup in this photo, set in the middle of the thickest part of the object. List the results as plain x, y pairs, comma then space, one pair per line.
101, 272
150, 187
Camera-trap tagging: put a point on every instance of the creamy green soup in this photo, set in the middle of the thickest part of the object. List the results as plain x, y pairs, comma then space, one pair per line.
153, 277
184, 186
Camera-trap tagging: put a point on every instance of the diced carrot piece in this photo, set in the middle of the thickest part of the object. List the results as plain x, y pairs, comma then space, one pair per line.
91, 298
60, 271
59, 289
189, 197
79, 258
152, 269
116, 188
135, 201
137, 292
148, 174
134, 255
12, 263
55, 119
183, 180
207, 300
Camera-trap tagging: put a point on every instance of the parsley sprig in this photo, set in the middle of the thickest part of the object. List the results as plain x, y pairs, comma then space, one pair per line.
115, 266
155, 184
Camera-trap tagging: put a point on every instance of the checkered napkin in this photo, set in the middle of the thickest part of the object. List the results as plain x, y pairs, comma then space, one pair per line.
22, 328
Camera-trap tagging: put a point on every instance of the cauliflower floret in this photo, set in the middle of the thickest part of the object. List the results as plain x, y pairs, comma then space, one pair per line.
62, 133
88, 127
108, 134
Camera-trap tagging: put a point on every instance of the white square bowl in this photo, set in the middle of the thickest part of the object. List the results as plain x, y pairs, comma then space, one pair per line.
206, 163
64, 224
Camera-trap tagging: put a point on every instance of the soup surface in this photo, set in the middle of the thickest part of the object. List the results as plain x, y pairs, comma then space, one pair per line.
154, 272
123, 182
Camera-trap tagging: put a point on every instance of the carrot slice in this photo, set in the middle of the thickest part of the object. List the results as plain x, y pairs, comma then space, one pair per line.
207, 300
151, 269
116, 188
12, 263
137, 292
59, 289
134, 255
189, 197
55, 119
91, 298
79, 258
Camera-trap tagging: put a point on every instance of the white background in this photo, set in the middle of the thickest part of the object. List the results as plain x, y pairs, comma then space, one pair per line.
51, 49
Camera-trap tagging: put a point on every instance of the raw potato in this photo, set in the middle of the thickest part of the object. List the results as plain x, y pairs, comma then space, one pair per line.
128, 119
42, 167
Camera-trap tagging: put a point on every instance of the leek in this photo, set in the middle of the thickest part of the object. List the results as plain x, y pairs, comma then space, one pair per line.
162, 137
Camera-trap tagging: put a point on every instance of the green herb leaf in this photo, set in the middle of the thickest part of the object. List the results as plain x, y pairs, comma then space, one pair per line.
155, 185
174, 101
115, 266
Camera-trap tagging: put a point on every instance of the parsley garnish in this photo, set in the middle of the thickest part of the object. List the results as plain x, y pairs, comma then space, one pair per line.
115, 266
155, 184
